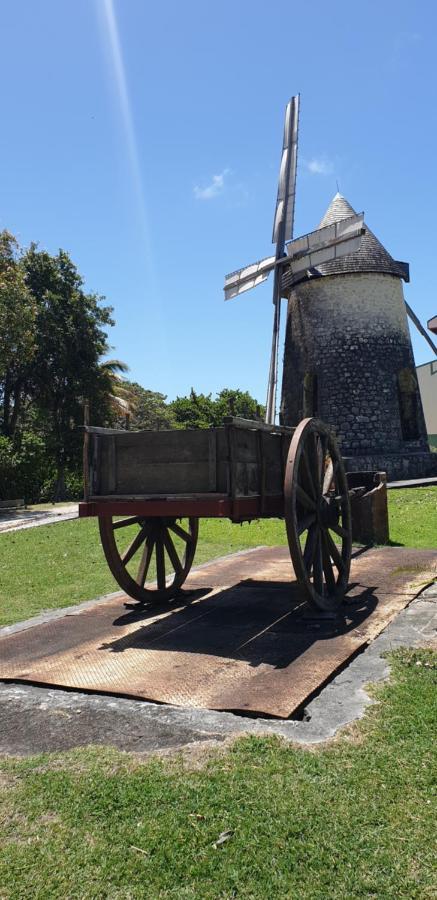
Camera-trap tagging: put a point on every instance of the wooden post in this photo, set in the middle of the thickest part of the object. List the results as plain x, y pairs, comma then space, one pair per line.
86, 440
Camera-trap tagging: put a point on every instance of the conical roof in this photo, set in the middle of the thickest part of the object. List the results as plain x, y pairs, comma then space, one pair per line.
371, 256
338, 209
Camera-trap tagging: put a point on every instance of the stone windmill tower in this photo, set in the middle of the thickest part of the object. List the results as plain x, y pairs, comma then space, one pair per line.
348, 357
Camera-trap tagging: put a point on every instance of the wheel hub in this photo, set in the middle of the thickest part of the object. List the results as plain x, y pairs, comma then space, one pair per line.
328, 512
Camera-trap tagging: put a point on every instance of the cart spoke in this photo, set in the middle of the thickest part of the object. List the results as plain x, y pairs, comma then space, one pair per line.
328, 476
306, 522
133, 547
180, 532
304, 499
311, 451
308, 473
310, 546
320, 461
123, 523
327, 565
317, 565
342, 532
334, 552
160, 563
171, 550
145, 561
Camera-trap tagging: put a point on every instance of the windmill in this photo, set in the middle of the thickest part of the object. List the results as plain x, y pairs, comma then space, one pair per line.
298, 255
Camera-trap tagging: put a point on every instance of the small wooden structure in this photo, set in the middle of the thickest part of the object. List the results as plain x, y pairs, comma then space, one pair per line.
149, 490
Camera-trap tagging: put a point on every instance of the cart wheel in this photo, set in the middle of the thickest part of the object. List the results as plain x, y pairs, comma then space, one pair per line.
133, 545
317, 513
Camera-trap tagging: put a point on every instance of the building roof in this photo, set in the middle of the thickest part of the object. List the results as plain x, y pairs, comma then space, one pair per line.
432, 324
371, 256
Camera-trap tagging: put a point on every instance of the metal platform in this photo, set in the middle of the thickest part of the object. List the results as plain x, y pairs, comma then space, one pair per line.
240, 638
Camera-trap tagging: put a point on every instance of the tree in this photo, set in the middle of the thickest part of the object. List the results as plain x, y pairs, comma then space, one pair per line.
149, 409
201, 411
70, 340
18, 311
120, 396
195, 411
233, 402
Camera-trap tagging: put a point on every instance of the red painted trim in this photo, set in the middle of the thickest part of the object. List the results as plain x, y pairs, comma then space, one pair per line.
241, 508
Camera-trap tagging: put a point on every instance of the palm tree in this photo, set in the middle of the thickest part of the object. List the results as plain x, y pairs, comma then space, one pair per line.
121, 398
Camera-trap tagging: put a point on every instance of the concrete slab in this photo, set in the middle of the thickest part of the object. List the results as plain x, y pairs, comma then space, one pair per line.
230, 643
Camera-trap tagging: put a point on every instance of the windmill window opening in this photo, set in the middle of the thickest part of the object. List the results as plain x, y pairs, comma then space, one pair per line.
310, 402
408, 394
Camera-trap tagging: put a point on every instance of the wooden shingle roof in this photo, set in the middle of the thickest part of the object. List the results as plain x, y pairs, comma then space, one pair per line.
371, 256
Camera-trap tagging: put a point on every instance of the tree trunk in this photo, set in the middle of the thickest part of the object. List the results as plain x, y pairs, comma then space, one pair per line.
16, 408
6, 405
60, 489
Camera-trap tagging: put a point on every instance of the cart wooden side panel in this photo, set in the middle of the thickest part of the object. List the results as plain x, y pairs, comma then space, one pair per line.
236, 461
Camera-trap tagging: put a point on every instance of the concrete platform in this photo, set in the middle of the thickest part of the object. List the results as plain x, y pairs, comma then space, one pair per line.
239, 639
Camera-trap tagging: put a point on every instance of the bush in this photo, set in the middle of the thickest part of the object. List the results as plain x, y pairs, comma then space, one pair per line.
23, 467
73, 487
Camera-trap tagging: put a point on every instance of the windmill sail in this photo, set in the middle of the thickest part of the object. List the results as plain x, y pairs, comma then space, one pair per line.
249, 277
305, 252
326, 243
299, 255
284, 212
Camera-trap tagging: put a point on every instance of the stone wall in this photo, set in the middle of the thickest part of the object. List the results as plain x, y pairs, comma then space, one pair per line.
347, 336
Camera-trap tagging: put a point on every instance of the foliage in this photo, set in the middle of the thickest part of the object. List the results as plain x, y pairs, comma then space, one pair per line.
120, 398
52, 338
70, 340
233, 402
149, 409
18, 310
201, 411
194, 411
23, 466
350, 819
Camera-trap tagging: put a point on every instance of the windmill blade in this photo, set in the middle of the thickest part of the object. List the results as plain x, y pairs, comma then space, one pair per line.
351, 227
249, 277
312, 260
420, 327
284, 212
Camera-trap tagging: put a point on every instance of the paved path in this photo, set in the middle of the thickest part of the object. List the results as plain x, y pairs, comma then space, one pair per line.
412, 483
17, 519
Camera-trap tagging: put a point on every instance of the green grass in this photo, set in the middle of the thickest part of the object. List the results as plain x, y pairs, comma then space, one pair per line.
353, 819
413, 517
59, 565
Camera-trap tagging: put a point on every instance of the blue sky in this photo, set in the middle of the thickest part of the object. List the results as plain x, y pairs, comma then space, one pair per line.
145, 139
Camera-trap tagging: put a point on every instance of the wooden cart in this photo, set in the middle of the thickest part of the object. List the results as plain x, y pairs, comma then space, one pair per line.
150, 488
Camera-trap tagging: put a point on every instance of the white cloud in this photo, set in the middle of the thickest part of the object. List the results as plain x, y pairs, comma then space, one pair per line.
319, 166
213, 189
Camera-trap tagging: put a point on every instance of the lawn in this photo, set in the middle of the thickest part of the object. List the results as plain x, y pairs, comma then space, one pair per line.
350, 820
59, 565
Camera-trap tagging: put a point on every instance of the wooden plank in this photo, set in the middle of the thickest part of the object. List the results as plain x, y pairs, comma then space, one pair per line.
93, 429
164, 477
112, 466
95, 465
107, 498
254, 425
212, 438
